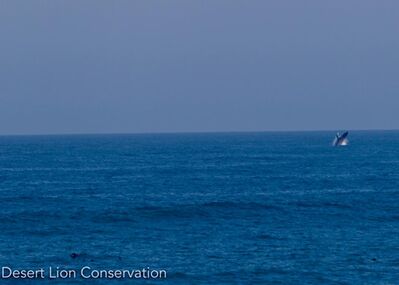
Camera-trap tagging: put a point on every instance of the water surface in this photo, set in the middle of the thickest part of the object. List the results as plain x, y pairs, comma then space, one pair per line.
239, 208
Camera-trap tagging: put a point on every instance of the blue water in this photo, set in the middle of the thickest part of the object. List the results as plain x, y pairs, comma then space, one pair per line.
251, 208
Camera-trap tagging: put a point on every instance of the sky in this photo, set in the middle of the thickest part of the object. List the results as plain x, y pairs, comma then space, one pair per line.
198, 66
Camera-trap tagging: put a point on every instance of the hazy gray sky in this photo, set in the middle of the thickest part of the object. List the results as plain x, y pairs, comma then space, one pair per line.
156, 66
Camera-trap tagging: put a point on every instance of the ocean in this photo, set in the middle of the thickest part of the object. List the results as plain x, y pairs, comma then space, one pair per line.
217, 208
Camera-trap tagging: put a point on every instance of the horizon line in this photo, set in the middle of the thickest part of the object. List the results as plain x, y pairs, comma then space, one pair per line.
188, 132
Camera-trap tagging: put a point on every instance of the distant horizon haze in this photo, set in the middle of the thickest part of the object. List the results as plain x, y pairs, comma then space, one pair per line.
97, 67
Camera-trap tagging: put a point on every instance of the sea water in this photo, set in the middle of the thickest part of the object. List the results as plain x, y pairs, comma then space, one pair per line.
228, 208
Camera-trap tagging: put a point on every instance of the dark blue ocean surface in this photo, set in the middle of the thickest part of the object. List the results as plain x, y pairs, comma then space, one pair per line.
253, 208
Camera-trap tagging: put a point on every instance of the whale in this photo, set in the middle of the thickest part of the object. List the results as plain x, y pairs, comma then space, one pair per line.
341, 139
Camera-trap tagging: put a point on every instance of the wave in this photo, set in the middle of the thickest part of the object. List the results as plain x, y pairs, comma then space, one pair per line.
207, 209
321, 204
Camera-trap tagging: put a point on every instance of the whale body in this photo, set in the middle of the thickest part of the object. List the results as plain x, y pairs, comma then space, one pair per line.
341, 140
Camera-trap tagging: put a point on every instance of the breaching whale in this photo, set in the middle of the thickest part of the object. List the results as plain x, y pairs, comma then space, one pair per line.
341, 140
